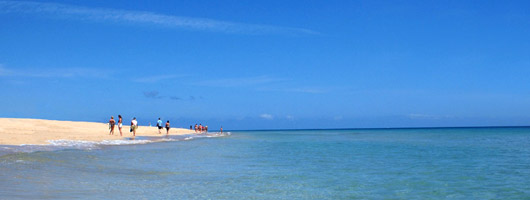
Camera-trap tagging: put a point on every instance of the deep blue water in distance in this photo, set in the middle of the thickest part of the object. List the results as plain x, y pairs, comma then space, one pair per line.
449, 163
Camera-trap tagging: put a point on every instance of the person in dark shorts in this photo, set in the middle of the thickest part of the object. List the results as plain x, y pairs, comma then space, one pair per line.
112, 122
159, 125
167, 127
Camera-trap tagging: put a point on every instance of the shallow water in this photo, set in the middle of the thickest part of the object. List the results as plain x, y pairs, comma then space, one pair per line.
459, 163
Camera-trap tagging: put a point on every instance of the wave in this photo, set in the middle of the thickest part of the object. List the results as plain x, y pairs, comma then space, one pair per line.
89, 145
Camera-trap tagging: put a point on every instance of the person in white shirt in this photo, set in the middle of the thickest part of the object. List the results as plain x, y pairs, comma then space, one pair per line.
134, 126
159, 125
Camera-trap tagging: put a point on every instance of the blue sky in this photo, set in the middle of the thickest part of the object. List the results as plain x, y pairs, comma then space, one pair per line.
268, 64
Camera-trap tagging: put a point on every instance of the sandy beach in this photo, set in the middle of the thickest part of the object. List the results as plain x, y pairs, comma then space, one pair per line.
38, 131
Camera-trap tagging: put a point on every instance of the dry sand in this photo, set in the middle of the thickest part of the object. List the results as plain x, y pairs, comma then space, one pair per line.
39, 131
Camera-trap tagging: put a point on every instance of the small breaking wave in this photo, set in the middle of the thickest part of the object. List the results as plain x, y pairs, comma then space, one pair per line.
90, 145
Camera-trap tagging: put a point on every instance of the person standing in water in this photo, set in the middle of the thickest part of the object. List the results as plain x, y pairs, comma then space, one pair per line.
120, 122
167, 127
159, 125
221, 130
134, 126
196, 128
112, 122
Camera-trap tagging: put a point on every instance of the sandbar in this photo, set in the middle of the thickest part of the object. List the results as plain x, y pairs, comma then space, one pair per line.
15, 131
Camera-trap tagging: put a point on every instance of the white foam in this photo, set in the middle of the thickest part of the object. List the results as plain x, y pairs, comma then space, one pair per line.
124, 142
89, 145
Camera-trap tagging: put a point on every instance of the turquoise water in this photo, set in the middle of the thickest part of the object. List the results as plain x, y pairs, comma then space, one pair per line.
459, 163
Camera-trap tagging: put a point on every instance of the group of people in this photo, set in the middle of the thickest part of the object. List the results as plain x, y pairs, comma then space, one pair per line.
200, 128
112, 123
134, 126
159, 125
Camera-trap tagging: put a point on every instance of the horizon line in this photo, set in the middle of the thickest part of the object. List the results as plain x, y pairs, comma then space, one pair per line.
385, 128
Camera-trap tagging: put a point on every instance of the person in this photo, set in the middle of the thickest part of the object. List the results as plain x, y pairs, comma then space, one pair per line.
167, 127
221, 130
206, 129
196, 128
120, 122
200, 128
134, 126
159, 125
191, 127
112, 122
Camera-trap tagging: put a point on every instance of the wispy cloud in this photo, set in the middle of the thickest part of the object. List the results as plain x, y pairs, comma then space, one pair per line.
153, 79
266, 116
156, 95
54, 72
175, 98
312, 90
237, 82
152, 94
4, 71
140, 17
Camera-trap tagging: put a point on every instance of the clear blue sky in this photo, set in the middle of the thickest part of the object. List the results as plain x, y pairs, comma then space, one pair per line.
268, 64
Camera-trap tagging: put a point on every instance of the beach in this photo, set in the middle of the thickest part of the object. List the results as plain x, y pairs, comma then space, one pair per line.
15, 131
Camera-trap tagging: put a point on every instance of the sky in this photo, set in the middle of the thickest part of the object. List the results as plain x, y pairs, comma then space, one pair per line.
268, 64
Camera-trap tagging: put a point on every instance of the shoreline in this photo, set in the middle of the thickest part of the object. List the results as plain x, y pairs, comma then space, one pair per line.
23, 131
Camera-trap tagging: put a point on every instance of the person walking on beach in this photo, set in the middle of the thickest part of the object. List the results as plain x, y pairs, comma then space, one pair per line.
112, 122
167, 127
134, 126
159, 125
120, 122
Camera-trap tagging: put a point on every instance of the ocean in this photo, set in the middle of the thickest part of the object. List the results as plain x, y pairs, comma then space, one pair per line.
438, 163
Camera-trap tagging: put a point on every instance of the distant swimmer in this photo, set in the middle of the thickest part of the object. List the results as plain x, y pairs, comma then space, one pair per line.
134, 126
167, 127
120, 122
159, 125
112, 122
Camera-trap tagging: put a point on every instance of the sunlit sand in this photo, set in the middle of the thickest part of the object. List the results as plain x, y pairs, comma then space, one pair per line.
38, 131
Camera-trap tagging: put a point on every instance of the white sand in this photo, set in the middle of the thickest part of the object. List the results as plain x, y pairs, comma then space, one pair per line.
38, 131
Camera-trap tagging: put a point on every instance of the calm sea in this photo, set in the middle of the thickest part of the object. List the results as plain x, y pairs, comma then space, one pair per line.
448, 163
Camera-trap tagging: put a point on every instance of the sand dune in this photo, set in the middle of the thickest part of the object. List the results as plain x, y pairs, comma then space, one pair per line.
38, 131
